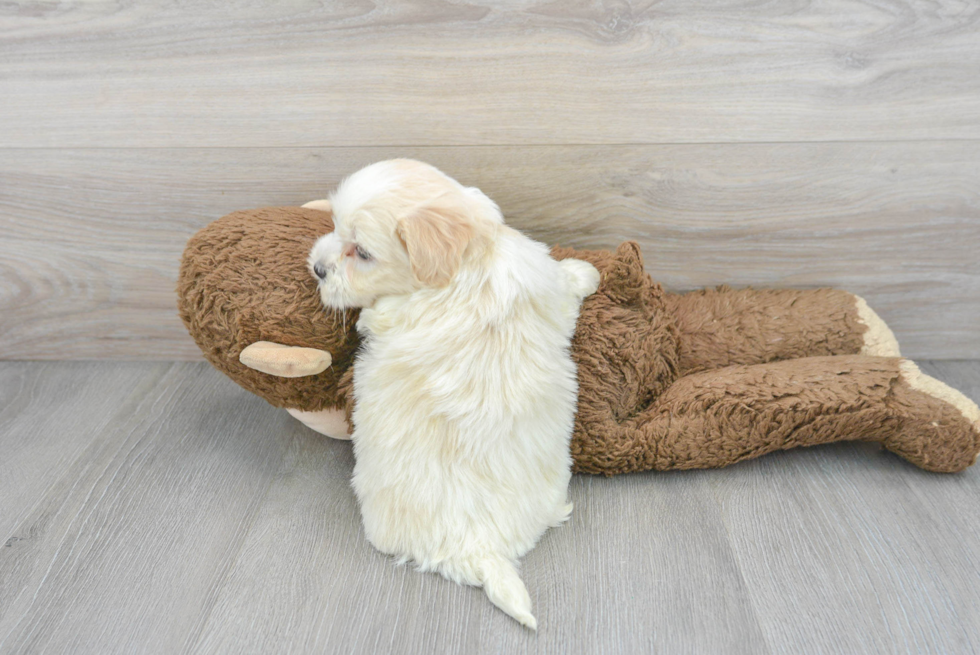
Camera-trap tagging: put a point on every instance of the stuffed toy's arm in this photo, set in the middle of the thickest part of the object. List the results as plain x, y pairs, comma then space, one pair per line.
295, 362
284, 361
724, 326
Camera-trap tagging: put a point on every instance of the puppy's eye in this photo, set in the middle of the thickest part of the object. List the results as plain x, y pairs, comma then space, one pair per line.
362, 253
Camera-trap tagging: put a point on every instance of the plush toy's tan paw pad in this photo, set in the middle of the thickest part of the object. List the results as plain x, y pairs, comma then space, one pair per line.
284, 361
322, 205
879, 341
937, 389
328, 422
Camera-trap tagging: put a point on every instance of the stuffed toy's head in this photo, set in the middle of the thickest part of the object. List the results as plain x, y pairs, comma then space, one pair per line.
244, 286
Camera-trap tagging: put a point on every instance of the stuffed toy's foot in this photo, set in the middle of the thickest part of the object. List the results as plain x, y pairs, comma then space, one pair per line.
329, 422
879, 341
942, 431
719, 417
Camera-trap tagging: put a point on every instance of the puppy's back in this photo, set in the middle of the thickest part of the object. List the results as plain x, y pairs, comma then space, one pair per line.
465, 406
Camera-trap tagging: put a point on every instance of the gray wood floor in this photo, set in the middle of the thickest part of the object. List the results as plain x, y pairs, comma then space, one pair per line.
157, 508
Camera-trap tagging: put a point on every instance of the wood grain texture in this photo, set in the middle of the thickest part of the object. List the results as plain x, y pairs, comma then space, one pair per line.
396, 72
585, 595
91, 239
197, 519
49, 415
123, 553
806, 527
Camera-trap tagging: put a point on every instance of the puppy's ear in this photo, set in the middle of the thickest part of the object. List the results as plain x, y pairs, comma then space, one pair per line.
435, 236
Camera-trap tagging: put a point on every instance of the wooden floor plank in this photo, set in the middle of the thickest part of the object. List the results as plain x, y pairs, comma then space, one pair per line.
150, 74
202, 520
310, 580
91, 239
121, 554
49, 415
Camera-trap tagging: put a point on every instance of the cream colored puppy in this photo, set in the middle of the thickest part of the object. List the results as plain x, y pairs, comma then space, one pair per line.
464, 387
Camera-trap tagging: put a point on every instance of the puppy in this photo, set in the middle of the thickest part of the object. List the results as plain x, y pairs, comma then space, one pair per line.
464, 387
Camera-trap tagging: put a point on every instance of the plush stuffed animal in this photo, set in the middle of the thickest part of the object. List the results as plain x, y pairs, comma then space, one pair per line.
666, 381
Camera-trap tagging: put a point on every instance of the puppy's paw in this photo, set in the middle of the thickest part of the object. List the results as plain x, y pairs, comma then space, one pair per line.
583, 276
322, 205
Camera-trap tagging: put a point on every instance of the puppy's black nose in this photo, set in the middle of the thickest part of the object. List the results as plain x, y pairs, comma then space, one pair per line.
320, 271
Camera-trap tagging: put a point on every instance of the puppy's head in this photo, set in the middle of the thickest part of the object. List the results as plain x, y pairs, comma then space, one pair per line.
400, 226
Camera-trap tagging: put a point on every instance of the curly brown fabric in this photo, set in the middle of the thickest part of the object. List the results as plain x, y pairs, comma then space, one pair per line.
243, 279
725, 326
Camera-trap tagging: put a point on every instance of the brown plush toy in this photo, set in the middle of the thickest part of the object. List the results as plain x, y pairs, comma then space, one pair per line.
666, 381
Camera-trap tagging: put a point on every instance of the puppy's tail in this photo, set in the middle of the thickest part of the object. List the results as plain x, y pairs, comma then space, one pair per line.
505, 589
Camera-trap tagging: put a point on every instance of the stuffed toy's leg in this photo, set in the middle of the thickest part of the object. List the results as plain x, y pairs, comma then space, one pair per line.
723, 326
329, 422
719, 417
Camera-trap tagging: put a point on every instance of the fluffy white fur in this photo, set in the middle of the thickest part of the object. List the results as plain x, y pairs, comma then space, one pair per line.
465, 388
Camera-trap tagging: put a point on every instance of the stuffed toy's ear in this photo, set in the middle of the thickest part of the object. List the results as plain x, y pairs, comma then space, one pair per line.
284, 361
435, 236
320, 205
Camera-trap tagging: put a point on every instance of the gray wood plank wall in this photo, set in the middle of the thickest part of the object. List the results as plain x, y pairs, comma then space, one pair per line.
793, 145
